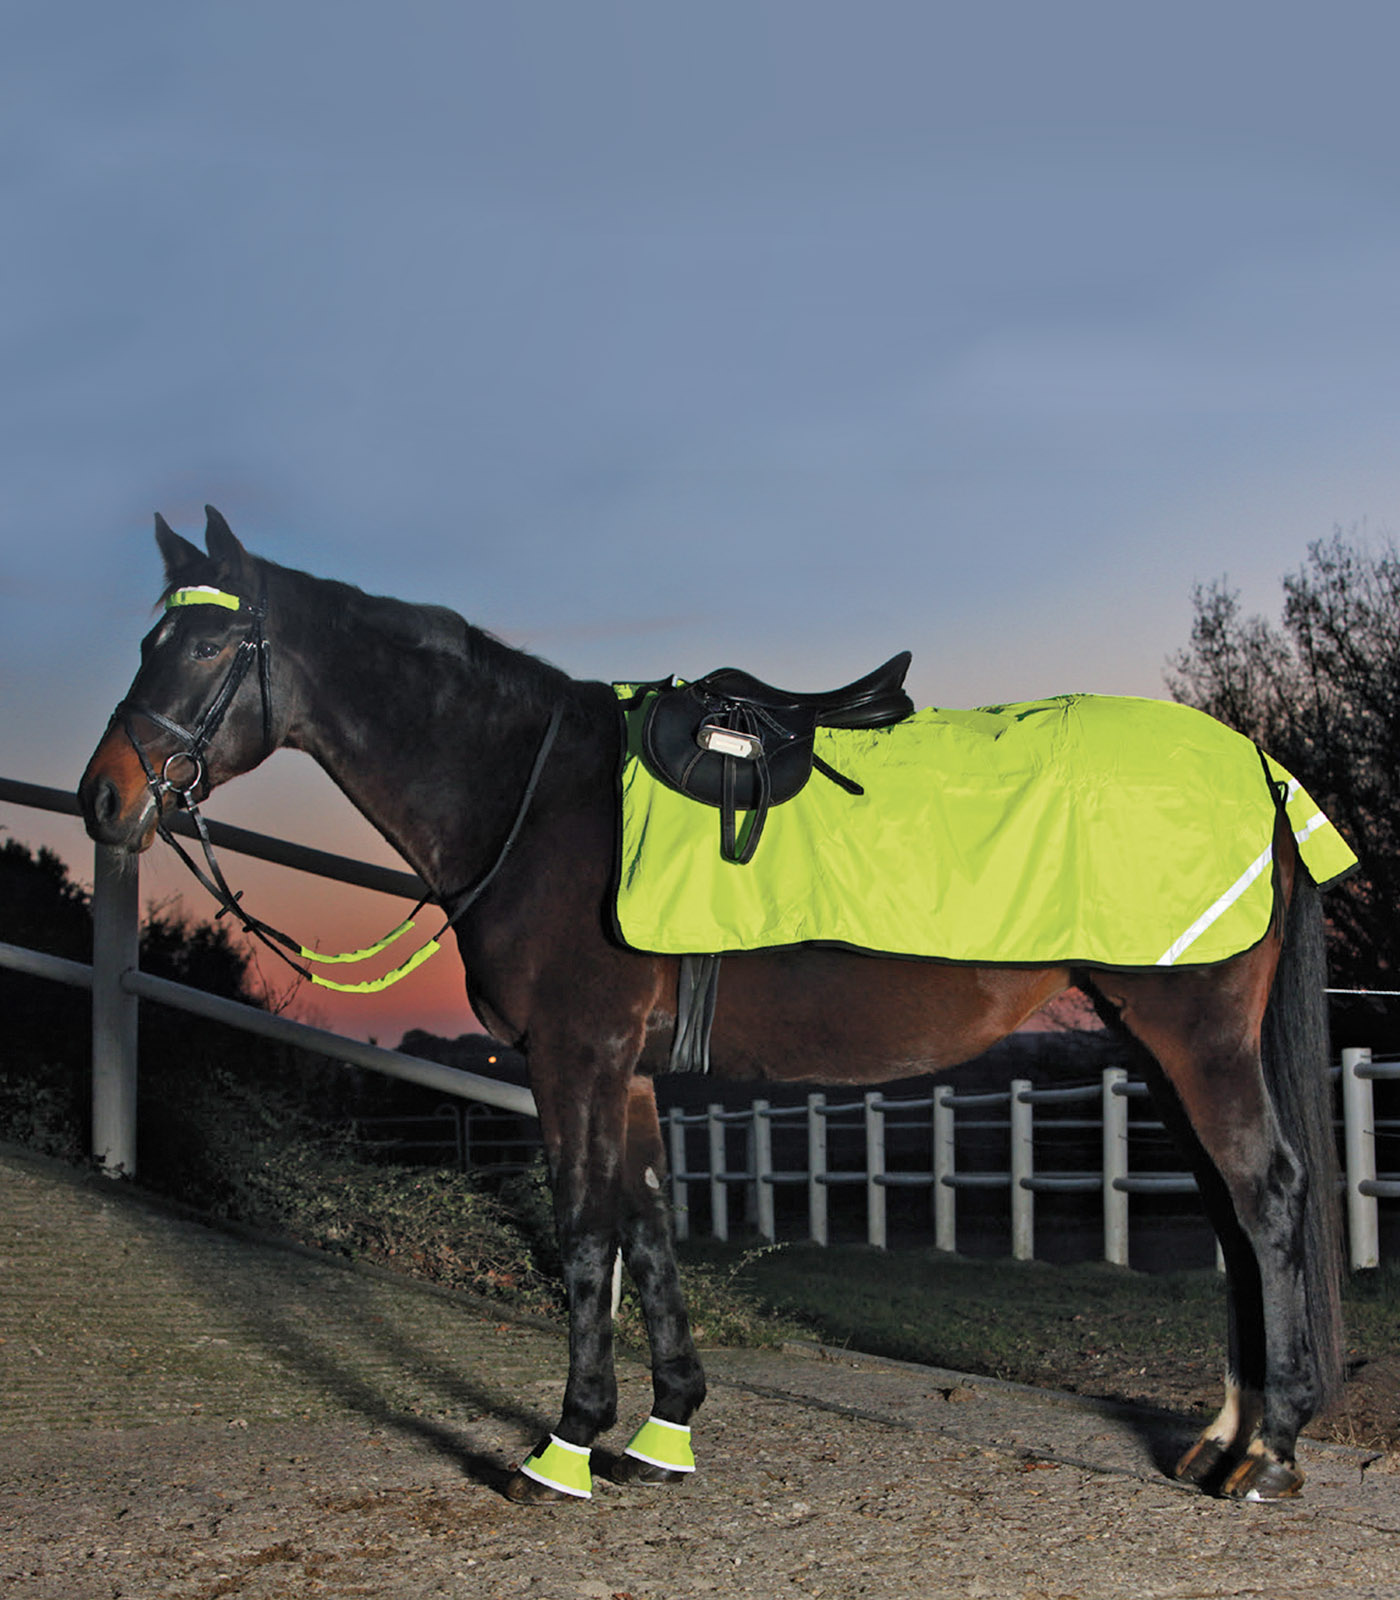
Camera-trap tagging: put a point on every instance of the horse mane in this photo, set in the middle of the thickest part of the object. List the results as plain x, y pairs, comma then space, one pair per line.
419, 628
435, 630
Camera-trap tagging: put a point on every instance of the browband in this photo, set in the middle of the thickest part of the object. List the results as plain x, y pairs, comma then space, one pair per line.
203, 594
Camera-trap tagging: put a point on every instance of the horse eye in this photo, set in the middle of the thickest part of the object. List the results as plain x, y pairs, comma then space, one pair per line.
205, 649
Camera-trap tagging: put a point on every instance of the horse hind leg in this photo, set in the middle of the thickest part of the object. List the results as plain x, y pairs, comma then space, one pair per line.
1265, 1200
1274, 1385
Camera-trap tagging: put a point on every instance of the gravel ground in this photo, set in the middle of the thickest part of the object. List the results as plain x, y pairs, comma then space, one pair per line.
187, 1414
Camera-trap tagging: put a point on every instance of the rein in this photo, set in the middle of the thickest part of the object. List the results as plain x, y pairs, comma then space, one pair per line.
196, 741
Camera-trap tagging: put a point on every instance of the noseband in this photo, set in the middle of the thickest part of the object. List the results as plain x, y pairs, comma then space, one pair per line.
195, 741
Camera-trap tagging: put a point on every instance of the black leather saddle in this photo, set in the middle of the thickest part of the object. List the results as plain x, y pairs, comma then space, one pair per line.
732, 741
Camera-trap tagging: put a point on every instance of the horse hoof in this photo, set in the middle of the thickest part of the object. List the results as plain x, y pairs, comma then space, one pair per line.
529, 1492
1263, 1478
629, 1470
1205, 1464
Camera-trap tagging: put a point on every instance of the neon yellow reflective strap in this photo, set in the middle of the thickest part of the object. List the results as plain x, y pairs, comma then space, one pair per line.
561, 1466
663, 1444
357, 955
374, 985
203, 594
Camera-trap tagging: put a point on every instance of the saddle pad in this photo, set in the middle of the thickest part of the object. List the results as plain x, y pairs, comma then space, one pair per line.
1084, 829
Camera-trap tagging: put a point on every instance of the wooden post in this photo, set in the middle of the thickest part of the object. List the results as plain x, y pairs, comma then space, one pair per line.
115, 951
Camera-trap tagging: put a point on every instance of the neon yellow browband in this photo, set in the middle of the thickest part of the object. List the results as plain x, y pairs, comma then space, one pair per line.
203, 594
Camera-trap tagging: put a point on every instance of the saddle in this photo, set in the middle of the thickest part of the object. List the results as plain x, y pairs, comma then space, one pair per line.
732, 741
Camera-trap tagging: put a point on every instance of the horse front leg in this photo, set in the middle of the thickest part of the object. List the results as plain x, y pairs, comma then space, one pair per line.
659, 1452
583, 1115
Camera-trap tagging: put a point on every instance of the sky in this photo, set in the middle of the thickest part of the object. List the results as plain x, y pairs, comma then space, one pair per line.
657, 337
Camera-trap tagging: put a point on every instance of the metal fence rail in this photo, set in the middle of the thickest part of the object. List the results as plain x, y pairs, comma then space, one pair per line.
700, 1154
945, 1117
117, 983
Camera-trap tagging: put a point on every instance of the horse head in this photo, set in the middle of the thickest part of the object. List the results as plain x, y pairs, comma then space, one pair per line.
201, 709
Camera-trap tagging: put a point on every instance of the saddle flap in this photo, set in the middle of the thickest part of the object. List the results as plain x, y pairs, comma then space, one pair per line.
732, 741
718, 750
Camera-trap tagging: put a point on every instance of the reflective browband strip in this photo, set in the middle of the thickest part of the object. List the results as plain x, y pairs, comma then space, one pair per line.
203, 594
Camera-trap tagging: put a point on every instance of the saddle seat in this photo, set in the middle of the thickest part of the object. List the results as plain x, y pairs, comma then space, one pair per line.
874, 701
730, 740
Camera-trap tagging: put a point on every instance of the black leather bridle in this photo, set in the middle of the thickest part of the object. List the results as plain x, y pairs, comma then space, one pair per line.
195, 741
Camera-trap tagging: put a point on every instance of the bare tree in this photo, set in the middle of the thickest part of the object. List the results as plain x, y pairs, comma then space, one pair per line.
1321, 693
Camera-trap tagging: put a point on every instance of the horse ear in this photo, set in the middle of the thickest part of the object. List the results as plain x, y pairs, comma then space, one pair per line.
219, 539
179, 555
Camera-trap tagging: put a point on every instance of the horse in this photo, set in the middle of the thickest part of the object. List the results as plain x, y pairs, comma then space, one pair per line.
494, 774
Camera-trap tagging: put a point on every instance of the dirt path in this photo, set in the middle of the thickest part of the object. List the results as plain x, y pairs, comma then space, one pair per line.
186, 1415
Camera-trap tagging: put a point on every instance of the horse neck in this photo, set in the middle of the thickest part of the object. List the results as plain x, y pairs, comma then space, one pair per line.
429, 726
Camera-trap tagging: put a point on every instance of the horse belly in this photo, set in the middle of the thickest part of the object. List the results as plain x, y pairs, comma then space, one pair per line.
833, 1016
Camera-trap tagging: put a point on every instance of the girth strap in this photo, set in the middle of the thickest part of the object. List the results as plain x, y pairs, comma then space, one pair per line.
697, 988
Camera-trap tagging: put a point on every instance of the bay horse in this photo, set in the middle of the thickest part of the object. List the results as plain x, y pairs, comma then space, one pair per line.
495, 775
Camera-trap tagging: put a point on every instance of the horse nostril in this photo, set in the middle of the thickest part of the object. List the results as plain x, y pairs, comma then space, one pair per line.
106, 802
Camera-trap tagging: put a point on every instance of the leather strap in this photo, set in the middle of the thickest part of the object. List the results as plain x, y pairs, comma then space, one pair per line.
697, 988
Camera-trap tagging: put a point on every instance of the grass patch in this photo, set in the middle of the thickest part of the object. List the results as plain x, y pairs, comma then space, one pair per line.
1091, 1329
1028, 1322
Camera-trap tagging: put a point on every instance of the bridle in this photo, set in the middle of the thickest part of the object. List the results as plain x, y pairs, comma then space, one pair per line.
195, 742
253, 647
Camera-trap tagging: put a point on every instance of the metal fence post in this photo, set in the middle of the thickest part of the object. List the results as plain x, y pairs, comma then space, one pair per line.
719, 1191
816, 1169
680, 1189
945, 1196
116, 944
1115, 1166
1359, 1121
763, 1171
874, 1170
1022, 1167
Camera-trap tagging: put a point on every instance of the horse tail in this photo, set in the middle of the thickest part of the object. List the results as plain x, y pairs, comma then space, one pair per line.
1296, 1052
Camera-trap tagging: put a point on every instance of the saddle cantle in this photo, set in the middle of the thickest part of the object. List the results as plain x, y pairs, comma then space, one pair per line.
732, 741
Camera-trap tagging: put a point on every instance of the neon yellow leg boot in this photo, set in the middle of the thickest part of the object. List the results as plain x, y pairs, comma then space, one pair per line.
661, 1451
560, 1466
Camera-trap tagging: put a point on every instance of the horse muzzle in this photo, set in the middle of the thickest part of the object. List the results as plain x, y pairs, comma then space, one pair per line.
118, 805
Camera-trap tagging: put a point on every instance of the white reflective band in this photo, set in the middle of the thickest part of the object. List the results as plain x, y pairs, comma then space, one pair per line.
1213, 913
1310, 827
1236, 889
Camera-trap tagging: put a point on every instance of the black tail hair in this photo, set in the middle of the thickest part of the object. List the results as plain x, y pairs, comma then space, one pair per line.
1296, 1050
